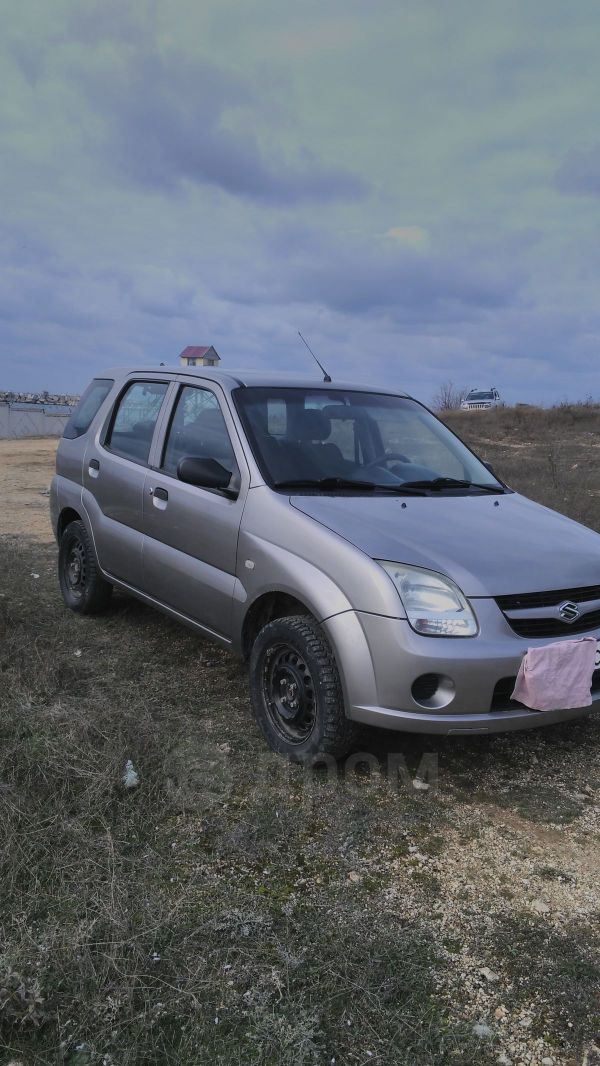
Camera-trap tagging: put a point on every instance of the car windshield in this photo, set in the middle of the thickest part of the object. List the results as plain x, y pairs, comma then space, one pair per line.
338, 437
480, 396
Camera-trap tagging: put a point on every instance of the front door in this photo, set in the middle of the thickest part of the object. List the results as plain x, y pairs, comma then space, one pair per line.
190, 547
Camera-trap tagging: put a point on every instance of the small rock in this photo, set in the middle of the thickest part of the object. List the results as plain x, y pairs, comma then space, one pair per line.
482, 1029
525, 1021
547, 1061
421, 786
503, 1060
500, 1013
354, 876
540, 906
35, 575
488, 974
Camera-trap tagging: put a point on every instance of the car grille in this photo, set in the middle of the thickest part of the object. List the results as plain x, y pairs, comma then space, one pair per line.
501, 700
543, 619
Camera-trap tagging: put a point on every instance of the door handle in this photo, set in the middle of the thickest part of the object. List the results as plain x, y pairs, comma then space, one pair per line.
159, 498
94, 468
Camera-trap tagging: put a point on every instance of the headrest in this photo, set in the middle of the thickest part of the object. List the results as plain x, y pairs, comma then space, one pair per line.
340, 410
209, 419
311, 425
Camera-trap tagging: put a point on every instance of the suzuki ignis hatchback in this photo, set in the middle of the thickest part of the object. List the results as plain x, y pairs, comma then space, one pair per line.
364, 561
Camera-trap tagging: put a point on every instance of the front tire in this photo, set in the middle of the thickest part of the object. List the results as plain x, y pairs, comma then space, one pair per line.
295, 690
83, 588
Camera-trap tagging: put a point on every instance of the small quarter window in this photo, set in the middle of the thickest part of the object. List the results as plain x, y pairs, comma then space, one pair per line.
90, 403
135, 419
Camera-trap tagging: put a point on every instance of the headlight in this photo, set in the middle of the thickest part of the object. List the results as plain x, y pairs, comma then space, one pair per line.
434, 605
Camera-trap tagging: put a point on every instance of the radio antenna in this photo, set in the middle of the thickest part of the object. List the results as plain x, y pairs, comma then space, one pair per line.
320, 366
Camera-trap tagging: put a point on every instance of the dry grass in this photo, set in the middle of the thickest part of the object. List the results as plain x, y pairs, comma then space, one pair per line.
208, 915
549, 454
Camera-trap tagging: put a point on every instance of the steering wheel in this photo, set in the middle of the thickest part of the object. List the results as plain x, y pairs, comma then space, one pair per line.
386, 457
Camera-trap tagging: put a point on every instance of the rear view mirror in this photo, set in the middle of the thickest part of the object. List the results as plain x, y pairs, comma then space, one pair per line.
205, 473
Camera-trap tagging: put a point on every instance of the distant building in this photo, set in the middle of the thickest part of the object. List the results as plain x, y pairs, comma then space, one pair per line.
199, 355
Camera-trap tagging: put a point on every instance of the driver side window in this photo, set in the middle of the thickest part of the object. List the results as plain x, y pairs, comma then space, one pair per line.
197, 429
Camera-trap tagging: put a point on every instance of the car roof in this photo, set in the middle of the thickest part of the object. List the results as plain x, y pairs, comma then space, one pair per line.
232, 379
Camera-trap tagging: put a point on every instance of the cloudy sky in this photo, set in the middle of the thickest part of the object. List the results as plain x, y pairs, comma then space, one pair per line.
415, 184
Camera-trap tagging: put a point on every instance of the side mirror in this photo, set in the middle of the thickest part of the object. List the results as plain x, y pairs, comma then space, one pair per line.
205, 473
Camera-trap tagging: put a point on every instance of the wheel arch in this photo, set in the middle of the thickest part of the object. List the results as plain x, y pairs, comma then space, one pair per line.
66, 516
270, 605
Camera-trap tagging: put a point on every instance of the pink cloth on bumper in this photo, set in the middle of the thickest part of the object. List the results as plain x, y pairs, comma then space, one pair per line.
557, 676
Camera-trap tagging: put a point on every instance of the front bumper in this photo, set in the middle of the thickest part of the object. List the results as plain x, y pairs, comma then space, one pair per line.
380, 658
452, 725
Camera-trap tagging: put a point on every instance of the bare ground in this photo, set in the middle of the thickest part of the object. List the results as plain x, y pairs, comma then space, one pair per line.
26, 467
234, 909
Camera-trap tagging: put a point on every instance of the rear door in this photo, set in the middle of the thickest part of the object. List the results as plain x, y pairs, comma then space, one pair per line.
190, 548
114, 472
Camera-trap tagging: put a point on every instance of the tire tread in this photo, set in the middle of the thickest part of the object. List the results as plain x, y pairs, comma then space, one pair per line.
98, 591
338, 732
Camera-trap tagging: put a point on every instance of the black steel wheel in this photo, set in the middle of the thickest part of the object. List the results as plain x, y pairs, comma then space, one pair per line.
289, 693
83, 588
296, 692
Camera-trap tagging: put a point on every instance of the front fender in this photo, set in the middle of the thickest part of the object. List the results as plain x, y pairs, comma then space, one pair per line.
265, 568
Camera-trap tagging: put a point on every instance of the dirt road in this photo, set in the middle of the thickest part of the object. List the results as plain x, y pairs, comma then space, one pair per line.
26, 467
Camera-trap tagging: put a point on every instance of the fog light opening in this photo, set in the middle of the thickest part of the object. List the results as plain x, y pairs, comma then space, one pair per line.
433, 691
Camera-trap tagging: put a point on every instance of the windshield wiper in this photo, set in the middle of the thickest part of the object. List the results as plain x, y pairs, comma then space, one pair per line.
438, 483
327, 484
407, 488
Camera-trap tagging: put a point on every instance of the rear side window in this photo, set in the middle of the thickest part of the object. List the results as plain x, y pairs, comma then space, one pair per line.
88, 407
134, 419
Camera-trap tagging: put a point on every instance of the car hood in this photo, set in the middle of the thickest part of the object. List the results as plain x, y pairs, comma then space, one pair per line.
489, 545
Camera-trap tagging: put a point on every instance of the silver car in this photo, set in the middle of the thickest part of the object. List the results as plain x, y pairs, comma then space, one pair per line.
481, 400
367, 565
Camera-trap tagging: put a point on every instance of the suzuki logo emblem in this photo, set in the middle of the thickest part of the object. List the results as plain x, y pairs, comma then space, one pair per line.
568, 611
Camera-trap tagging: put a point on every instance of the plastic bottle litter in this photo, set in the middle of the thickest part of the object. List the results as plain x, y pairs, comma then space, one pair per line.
130, 777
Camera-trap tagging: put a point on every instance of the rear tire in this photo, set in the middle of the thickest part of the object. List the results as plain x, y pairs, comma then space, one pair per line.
295, 690
83, 588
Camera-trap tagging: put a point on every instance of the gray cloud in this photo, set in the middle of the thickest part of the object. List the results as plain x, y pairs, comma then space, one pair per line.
160, 193
579, 172
358, 276
167, 122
